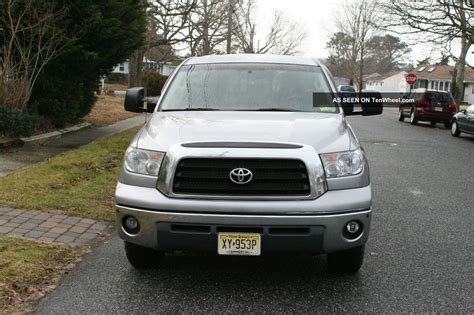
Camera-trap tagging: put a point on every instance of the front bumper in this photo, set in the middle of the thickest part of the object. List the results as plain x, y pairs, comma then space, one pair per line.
298, 226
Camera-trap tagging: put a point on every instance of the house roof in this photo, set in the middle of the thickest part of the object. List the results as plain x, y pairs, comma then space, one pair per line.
440, 72
384, 76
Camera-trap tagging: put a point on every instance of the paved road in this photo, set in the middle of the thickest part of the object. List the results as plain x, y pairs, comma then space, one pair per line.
419, 256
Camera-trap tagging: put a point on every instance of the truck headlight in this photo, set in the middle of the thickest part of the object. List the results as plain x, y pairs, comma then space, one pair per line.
343, 163
143, 161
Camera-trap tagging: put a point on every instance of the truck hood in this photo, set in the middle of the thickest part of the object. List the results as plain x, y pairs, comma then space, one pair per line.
324, 132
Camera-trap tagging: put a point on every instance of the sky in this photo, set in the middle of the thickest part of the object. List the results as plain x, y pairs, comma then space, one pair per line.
317, 17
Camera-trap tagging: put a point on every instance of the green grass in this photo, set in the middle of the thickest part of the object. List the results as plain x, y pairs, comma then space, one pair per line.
80, 182
27, 268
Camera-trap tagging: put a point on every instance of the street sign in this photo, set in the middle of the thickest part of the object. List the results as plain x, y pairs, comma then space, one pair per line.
411, 78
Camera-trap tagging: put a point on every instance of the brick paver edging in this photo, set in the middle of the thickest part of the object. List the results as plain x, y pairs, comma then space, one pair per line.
49, 227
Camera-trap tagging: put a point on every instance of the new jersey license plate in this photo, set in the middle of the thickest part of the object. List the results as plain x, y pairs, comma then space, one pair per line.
243, 244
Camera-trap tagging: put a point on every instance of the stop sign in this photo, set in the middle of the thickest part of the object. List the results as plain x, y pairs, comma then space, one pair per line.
411, 78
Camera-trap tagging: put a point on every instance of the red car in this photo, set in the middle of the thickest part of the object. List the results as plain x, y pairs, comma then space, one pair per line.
429, 105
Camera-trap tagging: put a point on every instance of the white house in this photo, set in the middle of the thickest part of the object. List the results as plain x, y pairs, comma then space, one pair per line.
392, 82
164, 68
121, 68
436, 77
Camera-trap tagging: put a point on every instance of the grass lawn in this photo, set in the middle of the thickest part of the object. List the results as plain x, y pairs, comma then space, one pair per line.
80, 182
107, 110
28, 268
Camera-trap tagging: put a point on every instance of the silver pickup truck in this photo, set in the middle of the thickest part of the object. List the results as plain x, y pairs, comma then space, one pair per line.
239, 158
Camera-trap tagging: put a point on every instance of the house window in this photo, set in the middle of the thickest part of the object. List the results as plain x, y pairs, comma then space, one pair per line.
432, 84
441, 85
122, 67
472, 88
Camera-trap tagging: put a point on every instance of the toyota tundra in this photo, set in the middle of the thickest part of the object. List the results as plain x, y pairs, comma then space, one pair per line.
241, 157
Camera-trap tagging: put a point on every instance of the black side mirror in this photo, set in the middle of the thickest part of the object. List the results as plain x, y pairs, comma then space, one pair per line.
373, 104
135, 101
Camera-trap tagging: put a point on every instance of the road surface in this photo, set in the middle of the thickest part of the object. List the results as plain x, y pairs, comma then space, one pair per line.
419, 257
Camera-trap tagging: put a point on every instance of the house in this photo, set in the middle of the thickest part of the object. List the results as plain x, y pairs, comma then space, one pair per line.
121, 68
435, 77
164, 68
341, 81
391, 82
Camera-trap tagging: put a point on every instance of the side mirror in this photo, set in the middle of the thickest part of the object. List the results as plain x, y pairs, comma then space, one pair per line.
373, 104
136, 102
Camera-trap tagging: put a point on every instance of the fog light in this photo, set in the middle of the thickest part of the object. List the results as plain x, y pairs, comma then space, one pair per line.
352, 227
352, 230
131, 224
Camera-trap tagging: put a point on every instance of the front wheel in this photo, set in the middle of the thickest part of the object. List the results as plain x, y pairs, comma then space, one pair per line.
141, 257
413, 119
346, 261
455, 132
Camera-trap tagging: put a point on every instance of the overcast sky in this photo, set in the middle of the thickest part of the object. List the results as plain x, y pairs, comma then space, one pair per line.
317, 16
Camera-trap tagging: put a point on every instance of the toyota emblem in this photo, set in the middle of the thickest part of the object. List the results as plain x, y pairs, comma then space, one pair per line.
240, 176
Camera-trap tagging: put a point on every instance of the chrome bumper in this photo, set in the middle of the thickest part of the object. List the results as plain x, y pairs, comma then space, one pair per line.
326, 229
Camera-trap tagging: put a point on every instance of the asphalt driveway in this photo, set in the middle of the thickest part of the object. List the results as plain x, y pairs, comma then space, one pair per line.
419, 257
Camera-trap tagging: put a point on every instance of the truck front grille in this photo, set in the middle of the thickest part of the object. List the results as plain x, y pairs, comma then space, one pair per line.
271, 177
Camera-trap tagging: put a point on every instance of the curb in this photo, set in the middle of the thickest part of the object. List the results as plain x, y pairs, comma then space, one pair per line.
39, 139
10, 143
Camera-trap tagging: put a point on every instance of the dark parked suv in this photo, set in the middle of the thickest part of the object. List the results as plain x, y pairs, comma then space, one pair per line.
430, 105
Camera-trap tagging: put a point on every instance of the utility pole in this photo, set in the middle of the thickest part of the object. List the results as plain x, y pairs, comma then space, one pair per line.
229, 25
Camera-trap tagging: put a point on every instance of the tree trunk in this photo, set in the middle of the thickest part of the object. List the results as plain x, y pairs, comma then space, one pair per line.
460, 67
361, 69
229, 26
135, 65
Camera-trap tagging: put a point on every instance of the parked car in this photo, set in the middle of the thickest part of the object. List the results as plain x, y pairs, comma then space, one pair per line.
348, 92
238, 160
463, 122
430, 105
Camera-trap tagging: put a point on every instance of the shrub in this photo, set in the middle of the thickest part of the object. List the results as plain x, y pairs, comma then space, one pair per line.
102, 34
153, 82
116, 78
15, 123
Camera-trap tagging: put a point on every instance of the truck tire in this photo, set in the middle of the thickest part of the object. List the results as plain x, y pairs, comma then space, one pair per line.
141, 257
401, 117
346, 261
413, 118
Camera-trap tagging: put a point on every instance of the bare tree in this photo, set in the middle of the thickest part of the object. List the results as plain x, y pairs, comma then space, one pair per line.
169, 19
208, 26
32, 40
441, 21
284, 36
358, 21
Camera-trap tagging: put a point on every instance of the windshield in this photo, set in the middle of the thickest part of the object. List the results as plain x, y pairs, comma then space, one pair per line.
247, 87
439, 97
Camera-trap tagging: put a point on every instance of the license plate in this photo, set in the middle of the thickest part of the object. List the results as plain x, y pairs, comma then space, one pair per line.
242, 244
438, 108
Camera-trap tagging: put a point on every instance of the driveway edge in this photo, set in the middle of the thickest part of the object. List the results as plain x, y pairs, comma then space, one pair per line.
50, 135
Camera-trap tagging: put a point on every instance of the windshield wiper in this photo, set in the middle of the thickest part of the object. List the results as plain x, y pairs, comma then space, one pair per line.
190, 109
